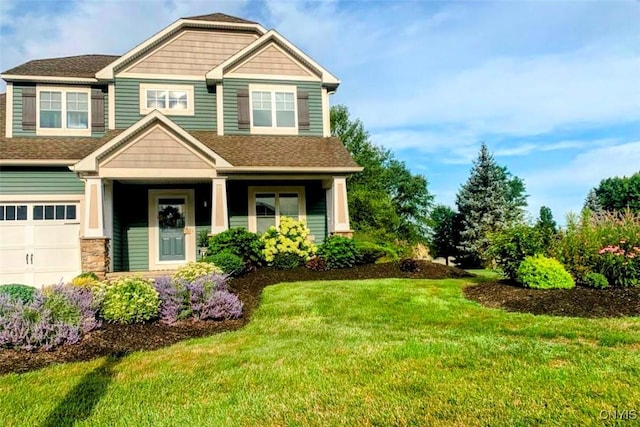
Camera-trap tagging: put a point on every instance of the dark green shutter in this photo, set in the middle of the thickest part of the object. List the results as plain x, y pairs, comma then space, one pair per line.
244, 118
303, 110
29, 108
97, 110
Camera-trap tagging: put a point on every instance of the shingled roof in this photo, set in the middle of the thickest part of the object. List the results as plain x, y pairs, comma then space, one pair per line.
220, 17
85, 66
253, 151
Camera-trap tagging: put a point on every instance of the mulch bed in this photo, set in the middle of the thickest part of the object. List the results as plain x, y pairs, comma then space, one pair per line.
118, 340
577, 302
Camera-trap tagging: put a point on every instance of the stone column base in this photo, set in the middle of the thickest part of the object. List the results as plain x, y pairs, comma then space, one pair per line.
348, 234
94, 255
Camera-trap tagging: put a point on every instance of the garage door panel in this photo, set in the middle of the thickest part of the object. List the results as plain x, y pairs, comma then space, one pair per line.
39, 252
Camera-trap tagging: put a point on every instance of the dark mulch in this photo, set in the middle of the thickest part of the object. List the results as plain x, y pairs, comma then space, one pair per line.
577, 302
122, 339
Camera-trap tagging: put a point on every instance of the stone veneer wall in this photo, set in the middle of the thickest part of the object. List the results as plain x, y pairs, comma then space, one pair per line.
94, 253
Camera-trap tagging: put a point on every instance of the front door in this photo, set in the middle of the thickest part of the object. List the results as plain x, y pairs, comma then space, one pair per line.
171, 226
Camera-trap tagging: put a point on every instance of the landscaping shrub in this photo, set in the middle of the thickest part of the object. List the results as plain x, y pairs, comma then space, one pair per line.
229, 262
172, 299
287, 261
86, 280
58, 315
290, 236
192, 270
409, 265
239, 241
620, 264
369, 252
130, 300
509, 247
579, 247
17, 291
338, 252
317, 264
540, 272
207, 297
596, 280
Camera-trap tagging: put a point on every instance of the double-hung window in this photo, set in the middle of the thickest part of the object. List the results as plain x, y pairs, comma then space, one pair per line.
171, 100
268, 205
63, 111
273, 109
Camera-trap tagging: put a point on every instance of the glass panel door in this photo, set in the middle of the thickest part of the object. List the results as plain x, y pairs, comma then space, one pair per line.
171, 225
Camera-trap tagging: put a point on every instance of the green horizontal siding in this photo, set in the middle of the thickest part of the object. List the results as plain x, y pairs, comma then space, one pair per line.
137, 246
31, 180
230, 103
128, 103
316, 211
17, 111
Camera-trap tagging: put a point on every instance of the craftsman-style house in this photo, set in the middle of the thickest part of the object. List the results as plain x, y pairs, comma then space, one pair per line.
116, 163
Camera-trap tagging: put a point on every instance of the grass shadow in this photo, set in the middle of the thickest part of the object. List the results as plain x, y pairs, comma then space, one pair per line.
80, 402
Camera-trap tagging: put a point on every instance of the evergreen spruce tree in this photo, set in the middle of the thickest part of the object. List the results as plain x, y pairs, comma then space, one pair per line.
546, 226
489, 201
592, 203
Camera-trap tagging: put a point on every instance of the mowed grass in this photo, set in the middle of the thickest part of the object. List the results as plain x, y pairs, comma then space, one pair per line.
376, 352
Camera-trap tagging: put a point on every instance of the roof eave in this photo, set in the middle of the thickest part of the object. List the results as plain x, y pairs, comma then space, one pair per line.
48, 79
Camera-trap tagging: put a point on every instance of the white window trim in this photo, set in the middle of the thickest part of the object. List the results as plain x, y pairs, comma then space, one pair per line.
189, 111
274, 130
302, 203
63, 131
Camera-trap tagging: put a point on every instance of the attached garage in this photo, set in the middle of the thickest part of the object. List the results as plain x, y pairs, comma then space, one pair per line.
40, 218
39, 241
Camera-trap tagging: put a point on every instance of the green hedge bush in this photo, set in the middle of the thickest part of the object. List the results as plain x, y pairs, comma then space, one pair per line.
508, 248
539, 272
596, 280
239, 241
229, 262
369, 252
338, 252
130, 300
17, 291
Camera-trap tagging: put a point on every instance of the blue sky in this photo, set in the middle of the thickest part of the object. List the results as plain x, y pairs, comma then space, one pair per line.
553, 88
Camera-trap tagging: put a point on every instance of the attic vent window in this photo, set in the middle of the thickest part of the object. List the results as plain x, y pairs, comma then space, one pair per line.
171, 100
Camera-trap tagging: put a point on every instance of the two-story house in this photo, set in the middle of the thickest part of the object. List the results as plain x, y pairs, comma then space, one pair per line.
116, 163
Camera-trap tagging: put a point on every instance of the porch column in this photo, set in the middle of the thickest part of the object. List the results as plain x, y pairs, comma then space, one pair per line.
94, 208
338, 208
219, 216
94, 244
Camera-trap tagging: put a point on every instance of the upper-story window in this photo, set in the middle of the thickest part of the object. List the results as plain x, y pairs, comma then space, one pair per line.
171, 100
63, 111
273, 109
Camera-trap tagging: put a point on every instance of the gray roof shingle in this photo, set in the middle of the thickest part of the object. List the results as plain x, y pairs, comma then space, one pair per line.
83, 66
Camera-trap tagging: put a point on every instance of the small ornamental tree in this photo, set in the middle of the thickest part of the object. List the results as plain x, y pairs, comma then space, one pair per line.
445, 235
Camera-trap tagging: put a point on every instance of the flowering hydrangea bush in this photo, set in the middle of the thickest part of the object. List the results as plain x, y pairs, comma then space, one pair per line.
206, 297
290, 237
620, 264
57, 315
192, 270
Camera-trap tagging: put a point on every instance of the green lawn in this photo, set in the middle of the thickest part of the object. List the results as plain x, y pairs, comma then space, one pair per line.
377, 352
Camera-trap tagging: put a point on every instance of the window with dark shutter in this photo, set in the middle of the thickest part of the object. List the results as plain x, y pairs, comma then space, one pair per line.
97, 110
244, 120
303, 110
29, 108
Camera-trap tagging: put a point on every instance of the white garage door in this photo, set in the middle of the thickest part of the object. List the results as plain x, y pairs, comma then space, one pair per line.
39, 242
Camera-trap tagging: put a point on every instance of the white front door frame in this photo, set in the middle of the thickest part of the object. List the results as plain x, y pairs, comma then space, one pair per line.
189, 229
